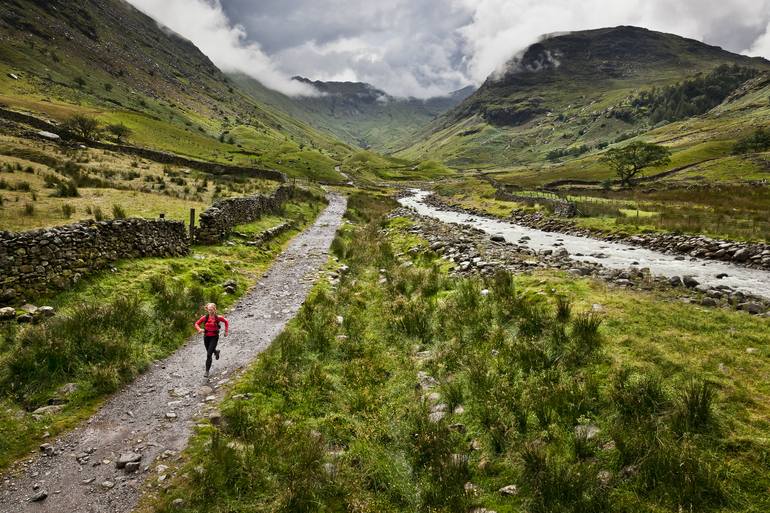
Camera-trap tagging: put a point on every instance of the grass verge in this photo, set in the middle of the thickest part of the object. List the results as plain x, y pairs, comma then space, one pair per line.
113, 326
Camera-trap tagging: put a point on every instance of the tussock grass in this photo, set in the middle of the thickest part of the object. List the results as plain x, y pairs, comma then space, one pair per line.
341, 416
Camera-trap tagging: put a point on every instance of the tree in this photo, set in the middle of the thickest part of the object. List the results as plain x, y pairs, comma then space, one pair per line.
629, 161
119, 130
83, 126
757, 142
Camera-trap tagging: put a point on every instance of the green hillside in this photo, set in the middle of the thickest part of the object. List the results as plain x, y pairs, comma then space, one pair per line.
106, 59
358, 113
573, 94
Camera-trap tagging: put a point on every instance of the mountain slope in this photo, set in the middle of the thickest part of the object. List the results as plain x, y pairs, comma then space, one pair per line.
107, 59
567, 93
358, 113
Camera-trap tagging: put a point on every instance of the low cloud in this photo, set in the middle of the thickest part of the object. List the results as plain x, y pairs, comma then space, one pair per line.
225, 43
422, 48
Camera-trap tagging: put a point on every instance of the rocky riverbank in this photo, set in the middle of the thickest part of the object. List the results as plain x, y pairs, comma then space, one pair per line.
473, 251
754, 255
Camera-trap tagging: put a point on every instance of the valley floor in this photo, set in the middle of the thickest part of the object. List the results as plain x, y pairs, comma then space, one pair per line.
403, 388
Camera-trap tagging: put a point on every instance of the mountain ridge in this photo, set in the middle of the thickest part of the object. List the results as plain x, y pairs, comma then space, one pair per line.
356, 112
561, 91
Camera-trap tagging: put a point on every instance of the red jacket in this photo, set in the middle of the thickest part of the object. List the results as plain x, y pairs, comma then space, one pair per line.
212, 324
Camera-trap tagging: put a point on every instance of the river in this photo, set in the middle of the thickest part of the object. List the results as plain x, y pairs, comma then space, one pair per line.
608, 254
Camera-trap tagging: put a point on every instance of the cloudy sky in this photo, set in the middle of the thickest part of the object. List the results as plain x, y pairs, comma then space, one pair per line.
425, 48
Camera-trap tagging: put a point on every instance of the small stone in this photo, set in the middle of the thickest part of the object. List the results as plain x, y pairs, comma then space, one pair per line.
39, 496
107, 484
177, 503
511, 489
46, 311
132, 467
171, 415
587, 431
436, 416
47, 449
752, 308
690, 282
24, 318
29, 308
752, 350
48, 410
126, 458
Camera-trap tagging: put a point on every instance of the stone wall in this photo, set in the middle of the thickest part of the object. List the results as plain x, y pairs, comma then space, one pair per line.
38, 262
217, 221
561, 208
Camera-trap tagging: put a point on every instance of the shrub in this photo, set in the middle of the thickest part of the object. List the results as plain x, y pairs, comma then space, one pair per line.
118, 212
638, 397
67, 210
694, 410
29, 209
66, 189
98, 215
563, 309
23, 187
757, 142
82, 125
119, 130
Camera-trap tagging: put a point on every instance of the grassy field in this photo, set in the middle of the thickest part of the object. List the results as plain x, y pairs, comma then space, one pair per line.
145, 309
724, 211
403, 389
35, 182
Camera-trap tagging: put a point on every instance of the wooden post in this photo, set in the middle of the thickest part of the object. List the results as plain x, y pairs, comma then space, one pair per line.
192, 223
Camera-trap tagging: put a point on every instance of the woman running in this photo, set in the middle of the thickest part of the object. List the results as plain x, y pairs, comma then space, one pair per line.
211, 326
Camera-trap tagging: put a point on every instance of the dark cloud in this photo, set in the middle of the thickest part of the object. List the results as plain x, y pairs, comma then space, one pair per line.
428, 47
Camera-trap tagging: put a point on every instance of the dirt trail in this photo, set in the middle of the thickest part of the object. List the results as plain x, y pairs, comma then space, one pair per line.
157, 412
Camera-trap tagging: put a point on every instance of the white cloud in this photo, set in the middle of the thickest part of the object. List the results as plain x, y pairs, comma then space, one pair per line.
500, 28
426, 47
206, 25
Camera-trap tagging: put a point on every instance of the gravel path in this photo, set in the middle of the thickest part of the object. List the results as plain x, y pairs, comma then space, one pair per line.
154, 416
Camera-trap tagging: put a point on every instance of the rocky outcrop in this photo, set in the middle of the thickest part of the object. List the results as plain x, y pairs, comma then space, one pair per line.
37, 262
217, 221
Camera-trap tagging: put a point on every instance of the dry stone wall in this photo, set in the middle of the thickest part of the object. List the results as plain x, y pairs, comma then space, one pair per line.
217, 221
37, 262
561, 208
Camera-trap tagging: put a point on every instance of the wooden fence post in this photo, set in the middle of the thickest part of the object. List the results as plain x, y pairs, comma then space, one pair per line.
192, 223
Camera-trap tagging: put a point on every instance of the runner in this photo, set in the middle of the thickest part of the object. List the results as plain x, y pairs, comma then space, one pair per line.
211, 326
